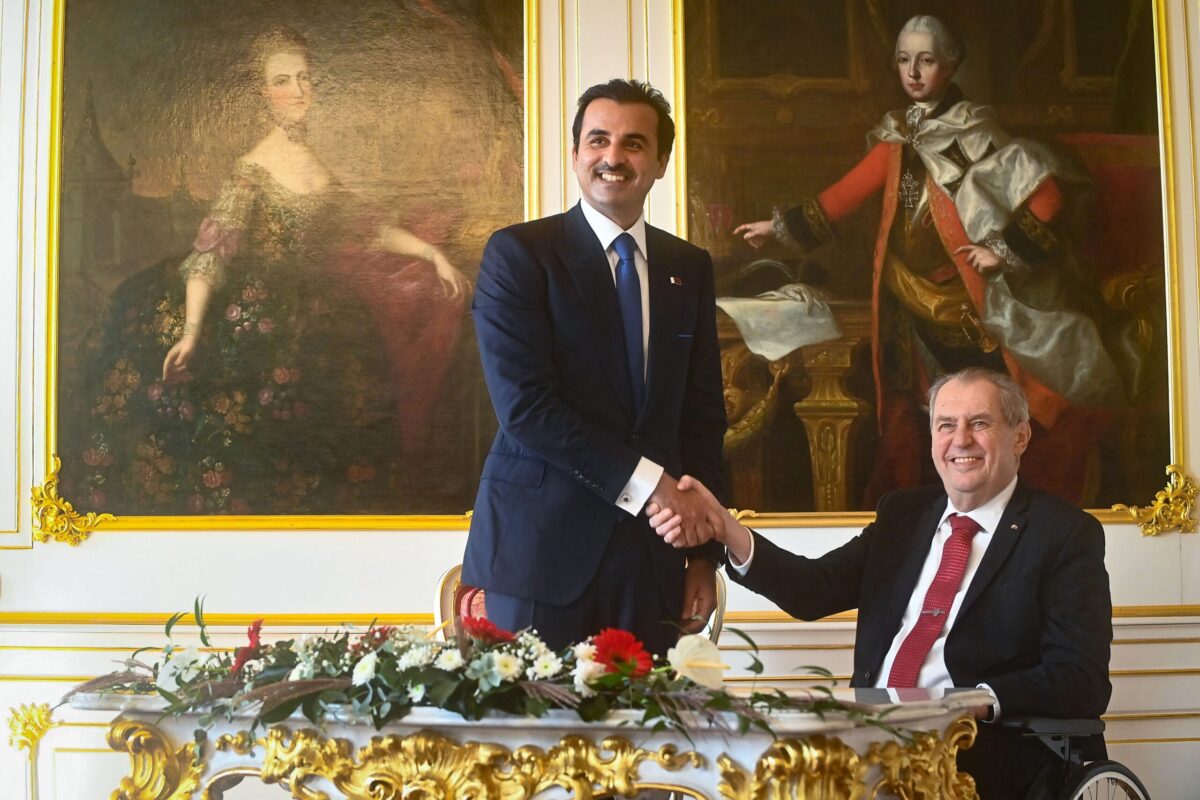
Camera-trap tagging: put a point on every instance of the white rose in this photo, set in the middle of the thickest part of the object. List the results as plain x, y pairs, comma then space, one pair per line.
586, 671
364, 670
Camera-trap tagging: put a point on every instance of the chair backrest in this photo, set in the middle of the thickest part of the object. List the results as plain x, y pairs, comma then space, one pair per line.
455, 599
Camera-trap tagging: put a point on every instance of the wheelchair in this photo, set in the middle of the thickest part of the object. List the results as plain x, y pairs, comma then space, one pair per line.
1085, 773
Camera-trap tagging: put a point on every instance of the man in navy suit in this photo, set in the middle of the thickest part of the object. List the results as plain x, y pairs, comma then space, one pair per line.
597, 334
980, 582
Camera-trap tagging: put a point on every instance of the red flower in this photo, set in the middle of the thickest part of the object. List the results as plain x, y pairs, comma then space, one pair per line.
254, 632
620, 651
484, 630
244, 654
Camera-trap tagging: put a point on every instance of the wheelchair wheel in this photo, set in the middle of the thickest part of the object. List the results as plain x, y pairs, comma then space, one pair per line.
1103, 780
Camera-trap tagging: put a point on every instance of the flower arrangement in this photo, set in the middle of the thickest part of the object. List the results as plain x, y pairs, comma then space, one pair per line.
384, 672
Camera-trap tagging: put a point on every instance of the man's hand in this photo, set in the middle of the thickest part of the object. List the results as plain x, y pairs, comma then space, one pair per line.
756, 234
728, 531
983, 259
689, 511
699, 594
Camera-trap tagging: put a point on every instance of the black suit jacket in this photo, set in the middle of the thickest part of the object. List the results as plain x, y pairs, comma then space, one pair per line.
551, 341
1036, 622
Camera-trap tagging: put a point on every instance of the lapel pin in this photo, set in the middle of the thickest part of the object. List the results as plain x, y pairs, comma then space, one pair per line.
676, 280
1014, 526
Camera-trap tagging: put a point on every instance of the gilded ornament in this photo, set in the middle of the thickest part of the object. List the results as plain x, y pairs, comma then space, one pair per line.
159, 771
428, 764
1171, 508
55, 518
924, 768
27, 724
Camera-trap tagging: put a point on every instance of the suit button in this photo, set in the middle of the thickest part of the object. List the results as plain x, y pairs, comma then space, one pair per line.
867, 676
636, 439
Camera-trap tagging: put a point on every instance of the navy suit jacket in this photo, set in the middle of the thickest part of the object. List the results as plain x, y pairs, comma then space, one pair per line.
551, 341
1035, 624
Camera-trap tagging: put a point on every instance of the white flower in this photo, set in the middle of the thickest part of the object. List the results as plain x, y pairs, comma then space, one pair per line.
449, 660
585, 651
586, 671
417, 656
697, 659
547, 665
301, 672
416, 692
364, 670
531, 645
509, 666
180, 665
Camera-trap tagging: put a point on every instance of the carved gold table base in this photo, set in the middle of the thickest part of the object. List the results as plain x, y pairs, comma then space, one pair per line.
429, 764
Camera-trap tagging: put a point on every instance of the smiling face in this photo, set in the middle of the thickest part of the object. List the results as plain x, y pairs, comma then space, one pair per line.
617, 158
288, 87
975, 450
923, 73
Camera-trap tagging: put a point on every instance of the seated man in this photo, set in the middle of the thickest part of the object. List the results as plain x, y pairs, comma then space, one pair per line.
980, 582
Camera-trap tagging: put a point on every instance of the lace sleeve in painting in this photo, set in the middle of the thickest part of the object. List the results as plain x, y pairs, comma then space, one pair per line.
220, 233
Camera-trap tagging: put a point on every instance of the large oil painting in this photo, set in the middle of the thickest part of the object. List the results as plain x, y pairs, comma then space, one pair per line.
270, 215
874, 225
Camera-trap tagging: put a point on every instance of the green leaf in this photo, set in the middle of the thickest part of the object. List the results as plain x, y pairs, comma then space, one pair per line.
593, 708
282, 711
170, 624
741, 634
199, 614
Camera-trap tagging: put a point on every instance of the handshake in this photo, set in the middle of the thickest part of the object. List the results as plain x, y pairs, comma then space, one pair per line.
685, 514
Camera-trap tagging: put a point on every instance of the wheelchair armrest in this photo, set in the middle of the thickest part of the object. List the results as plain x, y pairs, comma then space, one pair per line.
1073, 740
1050, 726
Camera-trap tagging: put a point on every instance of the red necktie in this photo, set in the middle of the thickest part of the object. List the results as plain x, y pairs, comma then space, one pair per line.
938, 600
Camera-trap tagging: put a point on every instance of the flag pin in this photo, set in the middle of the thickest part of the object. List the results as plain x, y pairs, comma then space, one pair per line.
676, 280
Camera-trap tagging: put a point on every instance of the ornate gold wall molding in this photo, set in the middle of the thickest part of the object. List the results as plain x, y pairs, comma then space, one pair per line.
55, 518
1171, 508
27, 724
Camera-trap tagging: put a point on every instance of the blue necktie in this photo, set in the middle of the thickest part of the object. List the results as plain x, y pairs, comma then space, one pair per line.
629, 298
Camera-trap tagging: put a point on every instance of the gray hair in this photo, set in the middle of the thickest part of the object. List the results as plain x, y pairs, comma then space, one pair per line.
945, 43
1013, 404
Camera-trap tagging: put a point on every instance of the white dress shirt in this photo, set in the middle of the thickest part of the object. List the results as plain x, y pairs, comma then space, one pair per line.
646, 474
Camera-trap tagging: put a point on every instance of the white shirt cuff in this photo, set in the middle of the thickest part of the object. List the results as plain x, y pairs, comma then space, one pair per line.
639, 487
744, 567
995, 703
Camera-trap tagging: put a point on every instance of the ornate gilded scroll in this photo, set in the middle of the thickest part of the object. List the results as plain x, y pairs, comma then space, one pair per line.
55, 518
159, 770
27, 724
427, 764
1171, 509
827, 768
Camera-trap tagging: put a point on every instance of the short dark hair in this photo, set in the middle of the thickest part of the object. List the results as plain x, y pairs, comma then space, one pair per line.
1013, 404
624, 91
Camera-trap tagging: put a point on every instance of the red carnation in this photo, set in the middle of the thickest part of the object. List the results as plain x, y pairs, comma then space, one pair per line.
620, 651
484, 630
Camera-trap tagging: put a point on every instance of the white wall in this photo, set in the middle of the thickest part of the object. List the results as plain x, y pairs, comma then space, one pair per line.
67, 612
